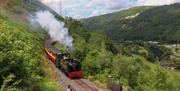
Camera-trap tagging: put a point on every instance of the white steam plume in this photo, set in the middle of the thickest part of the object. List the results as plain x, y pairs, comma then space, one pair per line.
55, 28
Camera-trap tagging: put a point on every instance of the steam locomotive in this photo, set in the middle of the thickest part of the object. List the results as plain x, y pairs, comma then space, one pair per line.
69, 66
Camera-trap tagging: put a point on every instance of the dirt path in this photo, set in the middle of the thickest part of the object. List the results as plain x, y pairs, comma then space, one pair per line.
76, 84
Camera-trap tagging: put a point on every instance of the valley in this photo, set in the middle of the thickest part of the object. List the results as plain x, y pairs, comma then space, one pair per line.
138, 48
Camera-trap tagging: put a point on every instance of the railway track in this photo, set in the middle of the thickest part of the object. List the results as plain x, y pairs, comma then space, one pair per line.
85, 86
75, 84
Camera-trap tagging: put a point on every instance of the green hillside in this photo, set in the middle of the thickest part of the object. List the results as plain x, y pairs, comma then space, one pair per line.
151, 24
22, 64
131, 63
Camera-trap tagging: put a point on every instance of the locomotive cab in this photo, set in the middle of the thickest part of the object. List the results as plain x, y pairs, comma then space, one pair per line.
71, 67
74, 69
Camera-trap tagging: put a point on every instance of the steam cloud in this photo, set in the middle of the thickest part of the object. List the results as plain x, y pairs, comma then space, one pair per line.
55, 28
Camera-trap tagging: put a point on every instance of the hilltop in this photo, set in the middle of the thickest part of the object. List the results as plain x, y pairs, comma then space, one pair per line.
160, 23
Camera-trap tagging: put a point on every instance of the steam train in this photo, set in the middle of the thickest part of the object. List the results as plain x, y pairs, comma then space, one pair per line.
69, 66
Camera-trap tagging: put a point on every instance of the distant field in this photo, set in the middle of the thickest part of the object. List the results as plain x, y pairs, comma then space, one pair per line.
177, 49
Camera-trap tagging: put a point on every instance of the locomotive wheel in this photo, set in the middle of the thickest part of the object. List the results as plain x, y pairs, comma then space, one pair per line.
65, 72
60, 67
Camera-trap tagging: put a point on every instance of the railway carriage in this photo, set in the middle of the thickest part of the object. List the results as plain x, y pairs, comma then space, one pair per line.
71, 67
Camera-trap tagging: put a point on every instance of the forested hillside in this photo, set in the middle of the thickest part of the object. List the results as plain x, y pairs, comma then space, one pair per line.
112, 20
159, 23
133, 64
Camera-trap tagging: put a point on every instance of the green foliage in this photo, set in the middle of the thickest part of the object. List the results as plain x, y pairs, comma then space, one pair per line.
9, 84
143, 76
19, 52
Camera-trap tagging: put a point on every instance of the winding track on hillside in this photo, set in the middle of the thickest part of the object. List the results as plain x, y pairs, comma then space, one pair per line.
79, 84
